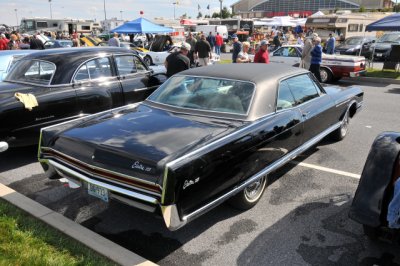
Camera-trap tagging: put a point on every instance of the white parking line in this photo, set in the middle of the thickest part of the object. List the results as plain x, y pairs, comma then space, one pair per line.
325, 169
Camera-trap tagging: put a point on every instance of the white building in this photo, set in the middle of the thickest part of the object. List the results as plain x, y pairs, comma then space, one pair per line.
110, 24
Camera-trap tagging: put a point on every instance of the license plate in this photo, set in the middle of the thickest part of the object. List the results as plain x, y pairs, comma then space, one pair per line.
379, 54
98, 192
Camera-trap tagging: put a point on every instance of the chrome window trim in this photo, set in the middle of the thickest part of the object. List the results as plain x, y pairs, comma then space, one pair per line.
74, 81
32, 83
147, 71
219, 112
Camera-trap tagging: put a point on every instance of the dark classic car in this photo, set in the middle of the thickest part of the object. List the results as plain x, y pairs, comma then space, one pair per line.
207, 134
353, 45
376, 189
66, 84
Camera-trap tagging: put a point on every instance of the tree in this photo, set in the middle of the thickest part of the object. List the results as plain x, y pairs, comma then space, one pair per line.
199, 15
362, 9
184, 16
207, 16
225, 13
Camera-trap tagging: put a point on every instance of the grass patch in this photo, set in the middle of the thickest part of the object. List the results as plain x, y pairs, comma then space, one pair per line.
225, 61
378, 73
25, 240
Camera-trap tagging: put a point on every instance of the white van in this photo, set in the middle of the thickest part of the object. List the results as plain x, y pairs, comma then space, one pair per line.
206, 29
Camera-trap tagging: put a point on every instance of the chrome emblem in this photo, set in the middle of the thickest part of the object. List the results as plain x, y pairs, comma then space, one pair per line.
190, 182
140, 166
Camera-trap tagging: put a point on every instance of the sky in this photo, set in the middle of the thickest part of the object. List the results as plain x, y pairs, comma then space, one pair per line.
10, 10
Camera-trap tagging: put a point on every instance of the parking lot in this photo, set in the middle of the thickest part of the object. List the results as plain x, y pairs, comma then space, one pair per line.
302, 218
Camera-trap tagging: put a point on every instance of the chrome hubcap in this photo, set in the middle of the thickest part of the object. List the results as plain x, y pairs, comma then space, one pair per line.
254, 190
324, 75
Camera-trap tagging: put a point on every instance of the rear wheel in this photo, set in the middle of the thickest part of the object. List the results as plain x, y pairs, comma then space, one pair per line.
326, 75
248, 197
341, 132
147, 59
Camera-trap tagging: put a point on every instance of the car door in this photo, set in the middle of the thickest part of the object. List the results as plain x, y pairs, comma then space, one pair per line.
55, 102
286, 55
134, 77
316, 107
97, 86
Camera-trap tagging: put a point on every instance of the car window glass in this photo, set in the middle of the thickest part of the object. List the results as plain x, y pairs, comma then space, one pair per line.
94, 69
281, 51
139, 65
32, 71
303, 88
125, 64
285, 97
209, 94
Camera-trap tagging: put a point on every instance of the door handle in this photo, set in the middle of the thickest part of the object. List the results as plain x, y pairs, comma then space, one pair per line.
305, 114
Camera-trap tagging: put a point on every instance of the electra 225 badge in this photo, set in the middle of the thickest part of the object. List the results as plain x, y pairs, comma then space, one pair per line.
139, 166
190, 182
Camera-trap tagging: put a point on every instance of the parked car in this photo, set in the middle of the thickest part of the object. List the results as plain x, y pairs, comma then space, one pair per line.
353, 46
128, 45
158, 58
58, 44
333, 67
67, 84
206, 135
8, 59
376, 189
382, 47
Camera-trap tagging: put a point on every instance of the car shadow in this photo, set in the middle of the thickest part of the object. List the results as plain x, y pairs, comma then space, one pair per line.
347, 82
394, 91
333, 240
17, 157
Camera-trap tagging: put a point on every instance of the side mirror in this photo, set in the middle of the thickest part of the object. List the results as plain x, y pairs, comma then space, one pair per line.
373, 41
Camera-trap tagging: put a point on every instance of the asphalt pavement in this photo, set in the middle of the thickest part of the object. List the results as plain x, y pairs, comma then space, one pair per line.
300, 220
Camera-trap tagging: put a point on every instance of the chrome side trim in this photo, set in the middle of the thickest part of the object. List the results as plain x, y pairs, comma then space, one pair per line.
169, 212
122, 191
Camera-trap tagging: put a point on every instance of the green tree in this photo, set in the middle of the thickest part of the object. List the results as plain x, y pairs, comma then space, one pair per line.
199, 15
225, 13
362, 9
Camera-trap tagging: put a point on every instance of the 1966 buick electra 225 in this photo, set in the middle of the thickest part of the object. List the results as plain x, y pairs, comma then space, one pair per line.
206, 135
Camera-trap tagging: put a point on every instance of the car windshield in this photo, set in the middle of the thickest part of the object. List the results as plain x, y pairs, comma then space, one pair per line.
208, 94
32, 71
390, 38
353, 41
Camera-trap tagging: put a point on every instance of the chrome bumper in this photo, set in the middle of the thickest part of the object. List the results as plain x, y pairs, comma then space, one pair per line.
357, 74
132, 198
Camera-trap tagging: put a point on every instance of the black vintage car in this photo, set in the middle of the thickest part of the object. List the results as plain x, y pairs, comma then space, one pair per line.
205, 135
67, 84
376, 190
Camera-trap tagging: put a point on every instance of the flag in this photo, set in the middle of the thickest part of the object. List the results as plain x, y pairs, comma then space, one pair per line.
208, 7
198, 6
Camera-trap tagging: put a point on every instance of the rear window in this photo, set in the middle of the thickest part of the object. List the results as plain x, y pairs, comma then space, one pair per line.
207, 94
32, 71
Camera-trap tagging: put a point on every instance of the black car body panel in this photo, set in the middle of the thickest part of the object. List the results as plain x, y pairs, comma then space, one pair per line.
186, 160
375, 188
66, 96
353, 45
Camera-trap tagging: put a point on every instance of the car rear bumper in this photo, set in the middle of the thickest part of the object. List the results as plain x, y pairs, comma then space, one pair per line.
357, 73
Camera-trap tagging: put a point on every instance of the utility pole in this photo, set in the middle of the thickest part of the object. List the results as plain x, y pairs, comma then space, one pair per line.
121, 14
16, 15
220, 9
51, 12
105, 14
174, 3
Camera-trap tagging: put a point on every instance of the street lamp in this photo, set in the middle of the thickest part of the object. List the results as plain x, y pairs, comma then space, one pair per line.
220, 9
121, 13
105, 14
51, 12
174, 3
16, 15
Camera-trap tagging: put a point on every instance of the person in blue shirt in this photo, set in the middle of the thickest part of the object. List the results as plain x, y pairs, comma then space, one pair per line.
211, 41
330, 45
316, 58
237, 48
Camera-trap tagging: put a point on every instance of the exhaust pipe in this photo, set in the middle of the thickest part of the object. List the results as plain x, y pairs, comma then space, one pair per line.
3, 146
